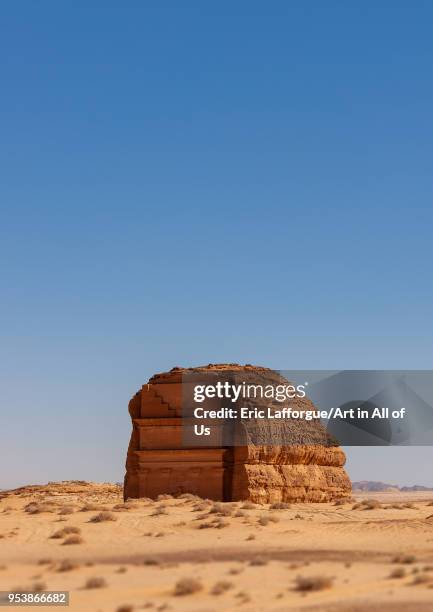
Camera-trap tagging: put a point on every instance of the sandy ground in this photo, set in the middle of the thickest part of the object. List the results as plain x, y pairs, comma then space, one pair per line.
190, 554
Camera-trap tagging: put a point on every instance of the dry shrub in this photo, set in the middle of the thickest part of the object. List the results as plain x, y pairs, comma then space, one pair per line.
250, 537
234, 571
151, 561
73, 539
102, 517
371, 504
279, 506
159, 510
44, 561
121, 570
67, 510
215, 524
164, 496
187, 586
201, 507
340, 502
265, 519
189, 497
66, 566
93, 508
248, 506
406, 559
240, 514
68, 530
125, 608
398, 572
313, 583
37, 587
221, 509
421, 579
367, 504
37, 508
243, 596
256, 561
125, 506
95, 583
221, 587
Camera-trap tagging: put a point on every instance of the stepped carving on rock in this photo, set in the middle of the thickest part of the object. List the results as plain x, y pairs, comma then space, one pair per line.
311, 469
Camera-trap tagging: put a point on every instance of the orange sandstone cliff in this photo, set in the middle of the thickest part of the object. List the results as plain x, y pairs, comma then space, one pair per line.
307, 467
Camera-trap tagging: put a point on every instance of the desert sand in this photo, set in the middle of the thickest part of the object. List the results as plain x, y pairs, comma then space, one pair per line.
185, 553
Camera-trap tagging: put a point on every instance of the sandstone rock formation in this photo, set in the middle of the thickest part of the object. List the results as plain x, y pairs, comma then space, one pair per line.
301, 464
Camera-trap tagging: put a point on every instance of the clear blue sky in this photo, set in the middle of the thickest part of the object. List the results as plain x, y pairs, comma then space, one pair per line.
192, 182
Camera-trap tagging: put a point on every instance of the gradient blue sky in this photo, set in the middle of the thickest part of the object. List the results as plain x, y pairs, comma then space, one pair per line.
192, 182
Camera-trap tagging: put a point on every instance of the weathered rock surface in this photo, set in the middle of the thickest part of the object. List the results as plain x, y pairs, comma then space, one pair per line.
260, 469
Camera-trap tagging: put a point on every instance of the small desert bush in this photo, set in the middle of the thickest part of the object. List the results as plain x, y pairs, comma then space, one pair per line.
187, 586
189, 497
159, 510
256, 561
215, 524
66, 566
124, 506
44, 561
69, 530
406, 559
125, 608
221, 509
250, 537
248, 506
201, 507
102, 517
73, 539
367, 504
95, 583
265, 519
279, 506
398, 572
221, 587
164, 496
37, 508
151, 561
313, 583
37, 587
93, 508
67, 510
421, 579
240, 514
